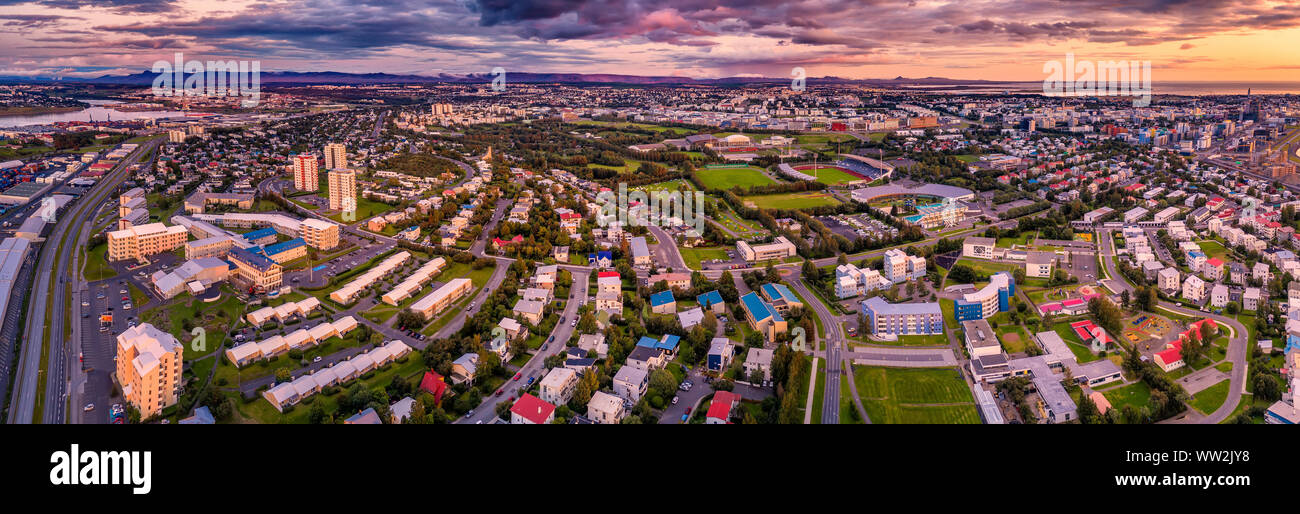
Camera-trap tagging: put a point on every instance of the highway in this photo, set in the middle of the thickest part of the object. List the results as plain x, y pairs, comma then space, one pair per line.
56, 256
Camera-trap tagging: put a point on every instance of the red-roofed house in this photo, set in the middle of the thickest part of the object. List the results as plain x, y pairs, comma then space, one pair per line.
531, 410
604, 274
720, 409
1169, 359
1215, 203
499, 244
1212, 269
434, 385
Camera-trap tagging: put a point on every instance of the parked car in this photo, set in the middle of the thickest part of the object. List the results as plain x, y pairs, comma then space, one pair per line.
518, 376
675, 398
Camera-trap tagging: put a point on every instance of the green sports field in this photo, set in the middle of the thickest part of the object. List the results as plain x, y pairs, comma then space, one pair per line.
727, 178
915, 395
792, 200
832, 176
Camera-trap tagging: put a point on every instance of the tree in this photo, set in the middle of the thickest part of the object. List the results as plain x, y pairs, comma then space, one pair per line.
1108, 316
1233, 308
1267, 388
756, 376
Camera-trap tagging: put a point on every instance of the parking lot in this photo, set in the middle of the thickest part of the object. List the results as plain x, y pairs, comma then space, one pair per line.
854, 227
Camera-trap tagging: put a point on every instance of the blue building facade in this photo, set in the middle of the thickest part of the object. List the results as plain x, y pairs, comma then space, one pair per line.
992, 299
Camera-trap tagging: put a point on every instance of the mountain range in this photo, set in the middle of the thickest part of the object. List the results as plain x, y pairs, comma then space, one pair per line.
145, 78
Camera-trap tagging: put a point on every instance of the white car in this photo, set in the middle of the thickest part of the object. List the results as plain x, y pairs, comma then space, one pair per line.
675, 400
317, 359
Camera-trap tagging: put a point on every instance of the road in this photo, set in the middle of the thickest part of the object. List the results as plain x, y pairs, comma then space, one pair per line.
1238, 344
56, 257
836, 364
536, 366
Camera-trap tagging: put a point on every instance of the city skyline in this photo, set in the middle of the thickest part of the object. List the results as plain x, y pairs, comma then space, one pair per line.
1184, 40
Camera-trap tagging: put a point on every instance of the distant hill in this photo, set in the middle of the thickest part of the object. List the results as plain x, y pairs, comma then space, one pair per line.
145, 78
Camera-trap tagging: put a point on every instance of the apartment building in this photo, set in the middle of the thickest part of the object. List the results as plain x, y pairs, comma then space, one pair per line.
558, 385
149, 368
901, 267
441, 298
141, 241
1194, 289
305, 176
884, 318
320, 234
336, 156
343, 190
208, 247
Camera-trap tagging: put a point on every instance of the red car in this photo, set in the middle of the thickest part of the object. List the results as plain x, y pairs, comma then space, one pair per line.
517, 375
499, 391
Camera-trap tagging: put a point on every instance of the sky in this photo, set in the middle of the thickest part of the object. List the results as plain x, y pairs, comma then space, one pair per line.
1185, 40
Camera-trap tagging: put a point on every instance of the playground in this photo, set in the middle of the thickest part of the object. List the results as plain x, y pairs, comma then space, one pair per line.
1147, 327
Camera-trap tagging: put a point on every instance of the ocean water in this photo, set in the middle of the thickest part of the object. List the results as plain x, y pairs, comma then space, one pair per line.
1157, 88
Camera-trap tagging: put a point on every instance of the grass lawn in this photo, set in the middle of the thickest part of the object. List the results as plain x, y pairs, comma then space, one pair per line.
261, 411
1137, 394
792, 200
97, 267
915, 395
818, 390
1007, 242
1214, 249
1212, 398
627, 167
914, 340
848, 411
693, 256
366, 209
988, 267
727, 178
1014, 338
669, 186
947, 307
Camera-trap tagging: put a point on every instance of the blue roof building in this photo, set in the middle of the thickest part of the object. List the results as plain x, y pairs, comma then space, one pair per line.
667, 343
711, 300
663, 299
256, 261
278, 248
261, 236
780, 296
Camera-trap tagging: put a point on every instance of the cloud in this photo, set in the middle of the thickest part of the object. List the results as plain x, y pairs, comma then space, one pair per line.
708, 36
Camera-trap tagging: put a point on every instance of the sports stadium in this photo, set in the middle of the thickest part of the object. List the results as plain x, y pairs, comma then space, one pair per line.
849, 170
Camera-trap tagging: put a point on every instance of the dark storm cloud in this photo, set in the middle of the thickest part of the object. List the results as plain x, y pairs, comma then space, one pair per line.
119, 6
33, 21
516, 32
